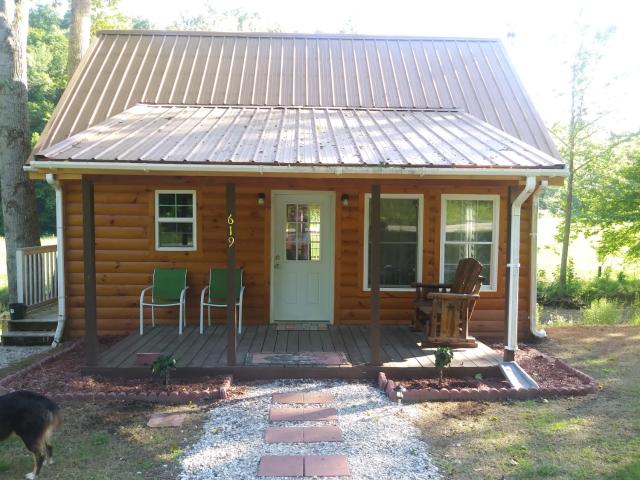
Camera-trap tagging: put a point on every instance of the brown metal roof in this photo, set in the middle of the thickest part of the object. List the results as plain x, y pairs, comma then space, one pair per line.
194, 68
299, 136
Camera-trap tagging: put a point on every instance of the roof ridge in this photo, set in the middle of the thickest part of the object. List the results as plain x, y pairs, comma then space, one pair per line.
303, 107
292, 35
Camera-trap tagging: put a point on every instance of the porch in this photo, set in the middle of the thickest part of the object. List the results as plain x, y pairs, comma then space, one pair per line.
272, 351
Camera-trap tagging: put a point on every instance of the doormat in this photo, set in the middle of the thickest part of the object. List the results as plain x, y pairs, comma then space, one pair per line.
300, 358
302, 326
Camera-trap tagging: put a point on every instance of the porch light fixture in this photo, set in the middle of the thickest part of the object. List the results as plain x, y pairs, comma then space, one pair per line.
345, 200
261, 197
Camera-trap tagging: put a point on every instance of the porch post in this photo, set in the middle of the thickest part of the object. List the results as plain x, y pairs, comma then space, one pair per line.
89, 250
232, 342
375, 274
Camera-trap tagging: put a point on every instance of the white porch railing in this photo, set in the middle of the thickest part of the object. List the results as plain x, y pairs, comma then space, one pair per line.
37, 274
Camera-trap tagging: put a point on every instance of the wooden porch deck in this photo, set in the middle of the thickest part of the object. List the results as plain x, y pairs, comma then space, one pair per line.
206, 354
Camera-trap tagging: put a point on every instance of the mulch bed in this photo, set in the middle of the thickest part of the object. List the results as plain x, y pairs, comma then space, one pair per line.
553, 376
59, 377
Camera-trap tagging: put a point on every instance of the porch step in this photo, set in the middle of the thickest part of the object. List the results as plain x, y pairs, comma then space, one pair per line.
517, 377
24, 334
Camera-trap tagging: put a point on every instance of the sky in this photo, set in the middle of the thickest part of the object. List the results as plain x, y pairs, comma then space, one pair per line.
541, 37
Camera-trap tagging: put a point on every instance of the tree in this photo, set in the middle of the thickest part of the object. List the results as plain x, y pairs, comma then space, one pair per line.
233, 19
578, 137
18, 195
79, 33
611, 207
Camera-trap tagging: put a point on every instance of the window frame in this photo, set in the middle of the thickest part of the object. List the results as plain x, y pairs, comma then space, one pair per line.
493, 280
192, 220
419, 246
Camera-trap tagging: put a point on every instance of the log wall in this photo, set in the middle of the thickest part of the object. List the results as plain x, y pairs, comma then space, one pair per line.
126, 255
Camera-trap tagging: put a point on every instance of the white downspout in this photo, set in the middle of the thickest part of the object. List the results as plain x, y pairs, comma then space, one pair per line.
514, 265
533, 302
51, 180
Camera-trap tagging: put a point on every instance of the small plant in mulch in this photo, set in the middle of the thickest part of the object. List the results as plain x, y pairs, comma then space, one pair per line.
444, 355
162, 367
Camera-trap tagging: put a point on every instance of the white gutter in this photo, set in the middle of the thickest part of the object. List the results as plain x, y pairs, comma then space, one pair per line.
51, 180
230, 168
514, 265
533, 302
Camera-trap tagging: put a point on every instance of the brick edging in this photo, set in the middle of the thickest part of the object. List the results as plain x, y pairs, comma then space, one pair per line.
214, 393
455, 394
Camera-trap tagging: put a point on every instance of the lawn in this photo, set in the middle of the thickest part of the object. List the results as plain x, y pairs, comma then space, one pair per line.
106, 441
593, 437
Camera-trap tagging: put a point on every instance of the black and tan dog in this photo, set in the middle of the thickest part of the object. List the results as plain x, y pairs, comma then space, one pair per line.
33, 418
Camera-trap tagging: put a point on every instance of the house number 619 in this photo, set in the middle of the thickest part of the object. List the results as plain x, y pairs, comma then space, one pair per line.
231, 240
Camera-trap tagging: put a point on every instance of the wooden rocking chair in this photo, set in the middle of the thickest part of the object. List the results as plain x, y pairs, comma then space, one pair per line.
444, 310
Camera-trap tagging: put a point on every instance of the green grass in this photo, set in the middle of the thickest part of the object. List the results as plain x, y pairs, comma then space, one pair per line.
592, 437
108, 440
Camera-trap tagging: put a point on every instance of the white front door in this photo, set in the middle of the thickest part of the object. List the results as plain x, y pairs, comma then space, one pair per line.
302, 256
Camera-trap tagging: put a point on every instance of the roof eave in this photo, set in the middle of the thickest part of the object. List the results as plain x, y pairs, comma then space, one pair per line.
47, 165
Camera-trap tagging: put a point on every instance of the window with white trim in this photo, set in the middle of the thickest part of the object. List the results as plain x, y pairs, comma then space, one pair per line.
175, 220
470, 229
400, 242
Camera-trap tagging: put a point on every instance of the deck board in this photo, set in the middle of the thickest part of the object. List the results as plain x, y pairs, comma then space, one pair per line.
399, 349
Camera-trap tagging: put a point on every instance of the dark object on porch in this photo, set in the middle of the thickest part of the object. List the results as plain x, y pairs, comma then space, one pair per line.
17, 311
444, 310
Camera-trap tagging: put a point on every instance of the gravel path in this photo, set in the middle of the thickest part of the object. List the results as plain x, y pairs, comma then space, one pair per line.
9, 355
380, 439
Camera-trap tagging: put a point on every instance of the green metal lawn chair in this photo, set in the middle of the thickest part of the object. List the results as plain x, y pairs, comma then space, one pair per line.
215, 294
168, 290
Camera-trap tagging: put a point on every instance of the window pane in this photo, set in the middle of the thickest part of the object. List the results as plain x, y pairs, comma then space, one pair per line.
175, 234
482, 253
185, 211
184, 199
399, 219
167, 211
167, 198
398, 265
453, 253
469, 221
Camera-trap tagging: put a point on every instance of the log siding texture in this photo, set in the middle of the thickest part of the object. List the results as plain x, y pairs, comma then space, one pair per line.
126, 254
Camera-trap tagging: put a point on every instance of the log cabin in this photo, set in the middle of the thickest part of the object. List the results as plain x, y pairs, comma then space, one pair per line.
160, 136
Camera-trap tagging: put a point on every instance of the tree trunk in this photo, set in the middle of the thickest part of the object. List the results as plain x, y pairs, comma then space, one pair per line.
18, 193
566, 234
79, 33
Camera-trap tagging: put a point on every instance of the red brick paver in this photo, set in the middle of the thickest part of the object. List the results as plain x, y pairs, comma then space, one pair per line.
306, 414
326, 466
318, 397
284, 435
322, 434
287, 398
281, 466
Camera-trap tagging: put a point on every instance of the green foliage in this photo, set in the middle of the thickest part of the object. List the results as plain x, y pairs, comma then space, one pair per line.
234, 20
105, 15
163, 366
611, 206
602, 312
443, 355
581, 292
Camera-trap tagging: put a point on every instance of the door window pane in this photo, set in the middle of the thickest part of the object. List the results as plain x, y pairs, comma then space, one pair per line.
302, 236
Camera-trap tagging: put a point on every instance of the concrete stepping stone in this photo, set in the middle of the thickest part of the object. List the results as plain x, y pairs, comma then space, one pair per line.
303, 434
281, 466
305, 414
309, 397
307, 466
166, 420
